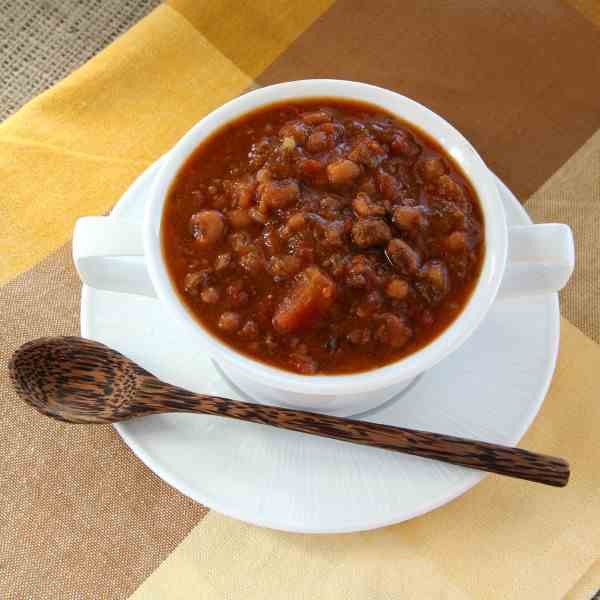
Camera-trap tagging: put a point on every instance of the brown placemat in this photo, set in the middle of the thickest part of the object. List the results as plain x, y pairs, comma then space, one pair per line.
79, 514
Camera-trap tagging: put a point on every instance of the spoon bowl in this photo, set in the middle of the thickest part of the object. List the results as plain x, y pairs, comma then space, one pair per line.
77, 380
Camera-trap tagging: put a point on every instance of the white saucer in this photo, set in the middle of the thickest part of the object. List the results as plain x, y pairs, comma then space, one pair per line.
491, 389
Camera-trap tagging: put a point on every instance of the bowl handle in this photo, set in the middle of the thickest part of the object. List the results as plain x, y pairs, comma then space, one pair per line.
541, 259
109, 255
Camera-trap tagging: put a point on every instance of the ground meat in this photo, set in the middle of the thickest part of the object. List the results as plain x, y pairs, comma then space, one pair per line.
239, 218
434, 283
365, 207
223, 261
371, 231
370, 306
303, 363
230, 322
330, 207
361, 273
447, 188
284, 267
388, 185
403, 257
243, 192
431, 169
249, 330
445, 216
316, 117
252, 262
392, 331
237, 295
277, 194
193, 281
303, 249
311, 170
319, 141
403, 144
335, 131
336, 265
271, 241
296, 130
367, 152
368, 185
271, 343
240, 242
333, 234
342, 172
359, 337
210, 295
427, 319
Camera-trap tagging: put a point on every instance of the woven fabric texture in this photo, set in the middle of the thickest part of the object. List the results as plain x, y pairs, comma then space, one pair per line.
43, 41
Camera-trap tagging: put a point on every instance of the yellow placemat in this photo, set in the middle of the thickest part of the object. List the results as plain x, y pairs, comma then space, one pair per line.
75, 149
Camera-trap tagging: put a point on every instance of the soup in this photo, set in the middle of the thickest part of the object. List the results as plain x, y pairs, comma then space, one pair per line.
323, 236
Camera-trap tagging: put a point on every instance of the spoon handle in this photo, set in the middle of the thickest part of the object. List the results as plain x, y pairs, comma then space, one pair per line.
474, 454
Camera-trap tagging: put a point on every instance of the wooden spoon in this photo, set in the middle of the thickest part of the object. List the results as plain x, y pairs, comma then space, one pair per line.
81, 381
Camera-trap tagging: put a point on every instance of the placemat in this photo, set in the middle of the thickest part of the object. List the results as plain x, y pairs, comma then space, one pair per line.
42, 42
80, 516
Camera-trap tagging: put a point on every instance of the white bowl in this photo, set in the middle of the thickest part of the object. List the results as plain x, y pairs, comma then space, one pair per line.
335, 394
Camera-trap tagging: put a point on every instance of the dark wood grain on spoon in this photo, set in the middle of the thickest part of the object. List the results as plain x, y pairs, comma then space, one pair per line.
82, 381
